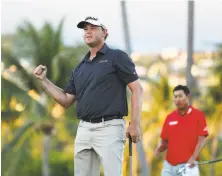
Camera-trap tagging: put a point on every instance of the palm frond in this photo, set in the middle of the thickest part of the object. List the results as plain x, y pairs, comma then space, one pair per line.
57, 37
28, 31
13, 90
28, 80
9, 115
17, 137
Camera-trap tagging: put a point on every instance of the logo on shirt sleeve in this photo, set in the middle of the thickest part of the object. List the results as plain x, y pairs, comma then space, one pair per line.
205, 129
189, 111
173, 123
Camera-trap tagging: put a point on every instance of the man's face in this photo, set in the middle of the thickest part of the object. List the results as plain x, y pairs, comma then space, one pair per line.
180, 99
93, 35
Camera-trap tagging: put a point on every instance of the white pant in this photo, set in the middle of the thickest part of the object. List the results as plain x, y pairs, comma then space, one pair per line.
169, 170
98, 143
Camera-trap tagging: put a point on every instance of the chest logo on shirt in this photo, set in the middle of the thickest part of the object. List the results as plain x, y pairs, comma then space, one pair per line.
102, 61
173, 123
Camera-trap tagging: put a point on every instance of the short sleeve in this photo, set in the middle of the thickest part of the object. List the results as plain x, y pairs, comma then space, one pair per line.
202, 125
164, 133
125, 67
70, 87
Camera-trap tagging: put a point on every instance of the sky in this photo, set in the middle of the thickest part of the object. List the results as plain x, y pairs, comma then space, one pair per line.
153, 25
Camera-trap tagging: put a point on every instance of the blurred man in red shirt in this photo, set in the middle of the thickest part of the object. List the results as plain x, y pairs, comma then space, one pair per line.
183, 135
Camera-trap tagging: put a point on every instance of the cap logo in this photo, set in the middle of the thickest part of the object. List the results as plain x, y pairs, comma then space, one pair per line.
91, 18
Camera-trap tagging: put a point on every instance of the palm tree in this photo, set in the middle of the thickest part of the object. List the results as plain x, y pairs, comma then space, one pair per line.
48, 49
214, 107
140, 150
45, 47
126, 33
190, 40
15, 100
160, 105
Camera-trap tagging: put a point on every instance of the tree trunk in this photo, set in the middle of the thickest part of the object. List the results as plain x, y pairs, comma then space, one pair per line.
47, 128
189, 77
142, 157
45, 155
214, 149
140, 150
125, 26
213, 155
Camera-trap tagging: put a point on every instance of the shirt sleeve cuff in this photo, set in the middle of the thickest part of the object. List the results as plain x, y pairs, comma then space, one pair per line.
132, 79
69, 91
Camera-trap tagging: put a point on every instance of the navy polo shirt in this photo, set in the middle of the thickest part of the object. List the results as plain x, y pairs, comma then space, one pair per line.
100, 85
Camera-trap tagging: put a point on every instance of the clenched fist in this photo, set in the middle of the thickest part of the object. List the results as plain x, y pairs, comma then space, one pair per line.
40, 72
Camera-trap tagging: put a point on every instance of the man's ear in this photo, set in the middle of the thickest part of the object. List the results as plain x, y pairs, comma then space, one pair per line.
189, 96
105, 33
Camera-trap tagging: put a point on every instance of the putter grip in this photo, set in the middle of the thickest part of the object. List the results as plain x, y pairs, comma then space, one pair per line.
130, 146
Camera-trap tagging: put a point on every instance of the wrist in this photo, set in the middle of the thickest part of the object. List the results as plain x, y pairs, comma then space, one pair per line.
161, 149
192, 157
162, 146
134, 122
43, 81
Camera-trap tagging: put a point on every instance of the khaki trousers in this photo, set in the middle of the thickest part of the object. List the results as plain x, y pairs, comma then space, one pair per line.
99, 143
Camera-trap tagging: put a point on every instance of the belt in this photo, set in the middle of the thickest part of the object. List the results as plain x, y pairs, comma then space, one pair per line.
101, 119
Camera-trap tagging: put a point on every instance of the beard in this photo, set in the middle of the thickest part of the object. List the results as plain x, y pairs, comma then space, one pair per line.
93, 43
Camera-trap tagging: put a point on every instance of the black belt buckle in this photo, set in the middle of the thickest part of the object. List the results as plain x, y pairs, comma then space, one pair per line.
97, 120
101, 119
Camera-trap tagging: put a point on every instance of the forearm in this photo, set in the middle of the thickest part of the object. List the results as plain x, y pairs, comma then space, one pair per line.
163, 145
199, 146
136, 102
55, 92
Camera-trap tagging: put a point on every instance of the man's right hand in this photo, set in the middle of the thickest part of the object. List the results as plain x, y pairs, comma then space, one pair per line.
157, 152
162, 146
59, 95
40, 72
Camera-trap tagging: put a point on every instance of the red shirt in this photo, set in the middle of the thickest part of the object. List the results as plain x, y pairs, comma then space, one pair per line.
182, 134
